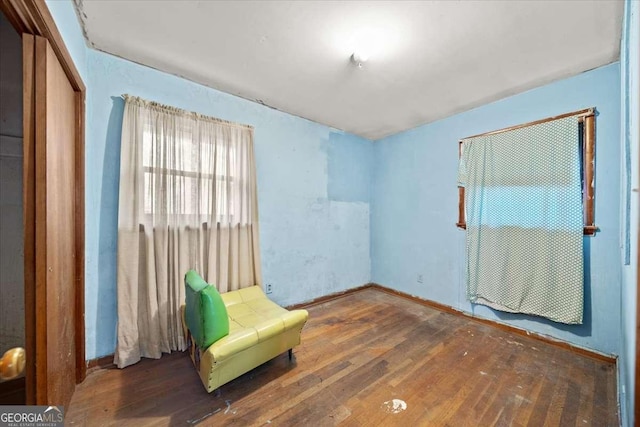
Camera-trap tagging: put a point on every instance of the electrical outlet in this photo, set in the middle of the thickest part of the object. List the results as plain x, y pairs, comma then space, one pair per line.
268, 288
419, 279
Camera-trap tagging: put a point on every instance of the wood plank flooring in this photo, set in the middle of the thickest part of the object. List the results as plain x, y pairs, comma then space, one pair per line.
358, 354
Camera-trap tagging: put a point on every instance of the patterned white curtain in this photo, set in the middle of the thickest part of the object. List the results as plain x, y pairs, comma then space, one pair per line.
524, 219
188, 200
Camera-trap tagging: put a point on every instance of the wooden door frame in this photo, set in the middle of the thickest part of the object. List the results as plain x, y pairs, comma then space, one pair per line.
33, 17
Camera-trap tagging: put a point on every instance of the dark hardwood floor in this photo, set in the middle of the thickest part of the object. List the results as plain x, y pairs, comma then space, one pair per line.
364, 357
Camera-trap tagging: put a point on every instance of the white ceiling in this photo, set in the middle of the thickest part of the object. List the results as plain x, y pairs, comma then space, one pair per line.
428, 60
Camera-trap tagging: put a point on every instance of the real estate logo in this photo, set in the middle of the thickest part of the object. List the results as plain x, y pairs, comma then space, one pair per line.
31, 416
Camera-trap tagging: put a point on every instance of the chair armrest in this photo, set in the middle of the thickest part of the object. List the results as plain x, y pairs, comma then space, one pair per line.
295, 318
232, 344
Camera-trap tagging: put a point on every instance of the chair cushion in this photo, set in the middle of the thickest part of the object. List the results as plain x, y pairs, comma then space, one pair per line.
206, 314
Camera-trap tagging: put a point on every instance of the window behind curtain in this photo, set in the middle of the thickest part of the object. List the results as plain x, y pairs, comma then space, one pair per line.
523, 147
188, 200
188, 168
523, 206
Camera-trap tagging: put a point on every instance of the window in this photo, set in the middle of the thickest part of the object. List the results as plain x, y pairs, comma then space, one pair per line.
180, 170
586, 141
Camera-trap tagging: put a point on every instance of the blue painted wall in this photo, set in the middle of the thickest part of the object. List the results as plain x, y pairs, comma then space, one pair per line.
349, 169
630, 83
313, 185
314, 227
415, 204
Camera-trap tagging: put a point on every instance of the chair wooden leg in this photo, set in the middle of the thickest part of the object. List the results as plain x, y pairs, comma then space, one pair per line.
290, 354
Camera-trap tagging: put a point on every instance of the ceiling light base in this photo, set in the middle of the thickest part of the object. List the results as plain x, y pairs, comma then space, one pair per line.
358, 59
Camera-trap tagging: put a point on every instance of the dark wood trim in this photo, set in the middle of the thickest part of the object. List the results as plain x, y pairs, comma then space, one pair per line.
502, 326
81, 366
587, 230
448, 309
589, 173
104, 362
587, 116
462, 220
590, 230
585, 113
329, 297
421, 301
41, 219
34, 17
29, 211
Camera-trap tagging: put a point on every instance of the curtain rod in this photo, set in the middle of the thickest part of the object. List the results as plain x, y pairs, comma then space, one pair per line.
171, 109
580, 113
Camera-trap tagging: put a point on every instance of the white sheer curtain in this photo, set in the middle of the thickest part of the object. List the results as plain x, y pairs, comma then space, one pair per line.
188, 199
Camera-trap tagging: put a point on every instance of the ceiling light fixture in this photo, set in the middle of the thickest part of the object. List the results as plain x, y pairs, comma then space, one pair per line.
359, 58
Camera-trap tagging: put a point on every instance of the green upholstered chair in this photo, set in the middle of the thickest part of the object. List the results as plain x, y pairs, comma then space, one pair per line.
229, 334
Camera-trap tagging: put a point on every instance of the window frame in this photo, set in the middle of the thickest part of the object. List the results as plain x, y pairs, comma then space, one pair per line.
587, 142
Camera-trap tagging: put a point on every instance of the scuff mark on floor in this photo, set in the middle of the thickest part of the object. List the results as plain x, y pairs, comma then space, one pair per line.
521, 399
203, 417
226, 411
395, 406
